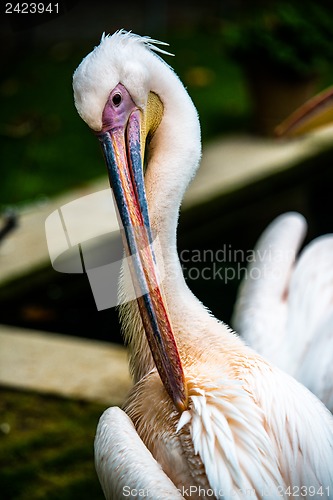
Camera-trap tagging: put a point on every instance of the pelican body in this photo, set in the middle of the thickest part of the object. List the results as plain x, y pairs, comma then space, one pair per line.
210, 415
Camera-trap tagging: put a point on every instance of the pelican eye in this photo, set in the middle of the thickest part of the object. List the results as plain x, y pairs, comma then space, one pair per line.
116, 99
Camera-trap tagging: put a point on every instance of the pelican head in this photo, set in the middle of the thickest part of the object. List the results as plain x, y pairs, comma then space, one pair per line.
120, 91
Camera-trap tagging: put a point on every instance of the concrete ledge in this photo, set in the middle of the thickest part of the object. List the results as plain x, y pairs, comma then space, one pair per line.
232, 162
65, 366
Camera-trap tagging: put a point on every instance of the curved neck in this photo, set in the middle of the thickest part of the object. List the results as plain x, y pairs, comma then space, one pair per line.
174, 158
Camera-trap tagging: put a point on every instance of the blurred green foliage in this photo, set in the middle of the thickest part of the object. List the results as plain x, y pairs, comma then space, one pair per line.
42, 149
292, 40
47, 448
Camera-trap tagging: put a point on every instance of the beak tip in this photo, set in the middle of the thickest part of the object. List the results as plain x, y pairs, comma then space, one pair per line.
181, 403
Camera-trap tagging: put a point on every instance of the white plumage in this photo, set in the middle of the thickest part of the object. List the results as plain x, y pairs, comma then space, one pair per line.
284, 310
116, 473
248, 430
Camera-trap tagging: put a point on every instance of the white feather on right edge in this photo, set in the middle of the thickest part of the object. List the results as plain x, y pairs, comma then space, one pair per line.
285, 310
261, 311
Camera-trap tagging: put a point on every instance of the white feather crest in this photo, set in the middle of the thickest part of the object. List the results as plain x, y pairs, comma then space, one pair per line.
147, 41
227, 431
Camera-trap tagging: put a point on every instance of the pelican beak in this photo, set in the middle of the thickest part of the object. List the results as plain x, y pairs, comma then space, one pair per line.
315, 113
124, 132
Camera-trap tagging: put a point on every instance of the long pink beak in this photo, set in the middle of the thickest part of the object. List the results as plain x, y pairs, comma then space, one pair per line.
121, 142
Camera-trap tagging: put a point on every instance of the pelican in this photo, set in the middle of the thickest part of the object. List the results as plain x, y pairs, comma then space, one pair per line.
207, 415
